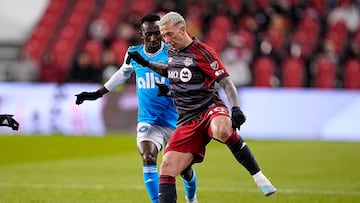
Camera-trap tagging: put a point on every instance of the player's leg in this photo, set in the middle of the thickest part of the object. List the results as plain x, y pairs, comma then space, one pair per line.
148, 152
149, 142
190, 184
172, 165
188, 175
221, 128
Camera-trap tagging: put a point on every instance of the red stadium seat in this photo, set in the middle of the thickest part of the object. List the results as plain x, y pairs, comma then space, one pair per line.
325, 73
216, 40
221, 22
63, 51
142, 7
292, 70
112, 5
84, 6
94, 48
352, 74
264, 71
119, 47
247, 39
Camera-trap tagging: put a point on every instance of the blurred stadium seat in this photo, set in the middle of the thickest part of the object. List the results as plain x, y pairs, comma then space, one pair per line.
297, 28
293, 73
324, 73
352, 74
264, 71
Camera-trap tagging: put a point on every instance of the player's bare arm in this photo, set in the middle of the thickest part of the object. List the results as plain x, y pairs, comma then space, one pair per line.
230, 91
237, 116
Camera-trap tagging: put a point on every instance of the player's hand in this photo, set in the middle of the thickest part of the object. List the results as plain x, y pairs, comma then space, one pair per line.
80, 98
237, 117
163, 90
138, 58
8, 120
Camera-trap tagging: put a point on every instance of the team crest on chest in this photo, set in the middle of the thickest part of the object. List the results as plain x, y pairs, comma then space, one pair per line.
188, 61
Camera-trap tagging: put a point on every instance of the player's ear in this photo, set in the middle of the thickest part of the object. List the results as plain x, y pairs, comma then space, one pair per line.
183, 29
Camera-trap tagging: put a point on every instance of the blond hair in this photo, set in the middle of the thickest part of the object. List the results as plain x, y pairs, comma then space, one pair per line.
172, 17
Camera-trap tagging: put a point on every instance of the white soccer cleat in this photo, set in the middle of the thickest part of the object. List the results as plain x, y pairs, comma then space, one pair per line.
267, 190
192, 201
264, 184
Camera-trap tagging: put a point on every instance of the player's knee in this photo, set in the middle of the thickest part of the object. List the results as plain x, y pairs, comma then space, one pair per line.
149, 158
187, 173
221, 132
221, 128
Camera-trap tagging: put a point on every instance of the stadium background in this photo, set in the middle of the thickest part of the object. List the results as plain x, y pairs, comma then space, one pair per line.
295, 62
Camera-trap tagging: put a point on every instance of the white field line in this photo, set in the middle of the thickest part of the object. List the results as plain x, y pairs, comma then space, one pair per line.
141, 187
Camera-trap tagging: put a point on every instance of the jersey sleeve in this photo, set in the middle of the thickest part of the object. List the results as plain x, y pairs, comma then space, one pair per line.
210, 63
120, 76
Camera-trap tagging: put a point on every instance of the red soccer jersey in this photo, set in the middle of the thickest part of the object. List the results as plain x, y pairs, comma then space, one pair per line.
192, 73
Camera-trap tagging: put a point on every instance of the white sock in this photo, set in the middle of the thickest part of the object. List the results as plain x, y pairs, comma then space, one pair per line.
260, 179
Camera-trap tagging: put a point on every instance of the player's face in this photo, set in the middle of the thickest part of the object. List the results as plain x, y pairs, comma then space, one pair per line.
173, 35
151, 35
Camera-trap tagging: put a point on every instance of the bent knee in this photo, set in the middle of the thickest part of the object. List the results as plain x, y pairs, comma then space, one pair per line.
149, 158
221, 128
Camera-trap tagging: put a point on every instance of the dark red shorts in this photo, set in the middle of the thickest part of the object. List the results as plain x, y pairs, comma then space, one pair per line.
194, 135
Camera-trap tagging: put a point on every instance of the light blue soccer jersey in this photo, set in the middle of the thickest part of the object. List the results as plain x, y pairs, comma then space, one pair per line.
153, 109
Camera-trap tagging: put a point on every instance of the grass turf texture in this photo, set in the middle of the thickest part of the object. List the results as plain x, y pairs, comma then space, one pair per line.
58, 169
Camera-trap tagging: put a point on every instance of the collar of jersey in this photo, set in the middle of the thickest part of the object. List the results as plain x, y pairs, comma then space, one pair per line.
151, 55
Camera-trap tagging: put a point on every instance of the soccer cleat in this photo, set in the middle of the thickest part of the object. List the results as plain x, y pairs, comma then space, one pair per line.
192, 201
267, 190
264, 184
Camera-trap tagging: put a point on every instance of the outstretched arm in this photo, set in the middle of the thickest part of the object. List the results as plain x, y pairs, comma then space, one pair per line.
157, 67
81, 97
118, 78
237, 116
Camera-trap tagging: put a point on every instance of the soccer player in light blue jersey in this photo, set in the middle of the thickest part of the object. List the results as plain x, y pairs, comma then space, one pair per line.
156, 114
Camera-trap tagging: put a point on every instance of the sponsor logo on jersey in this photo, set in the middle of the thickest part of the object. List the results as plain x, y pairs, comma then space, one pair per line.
173, 74
184, 75
188, 61
219, 72
149, 81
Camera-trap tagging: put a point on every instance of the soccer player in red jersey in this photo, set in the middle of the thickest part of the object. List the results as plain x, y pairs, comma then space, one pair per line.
193, 70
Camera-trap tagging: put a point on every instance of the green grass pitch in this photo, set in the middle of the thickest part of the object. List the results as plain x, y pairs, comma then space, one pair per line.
69, 169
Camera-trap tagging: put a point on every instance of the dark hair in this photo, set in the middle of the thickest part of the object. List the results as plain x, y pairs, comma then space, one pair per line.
150, 18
